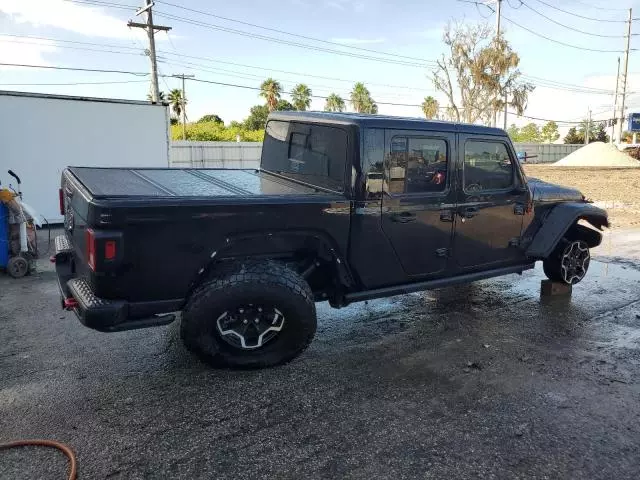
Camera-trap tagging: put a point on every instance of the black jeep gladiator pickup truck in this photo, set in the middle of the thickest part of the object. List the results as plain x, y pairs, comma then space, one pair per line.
344, 208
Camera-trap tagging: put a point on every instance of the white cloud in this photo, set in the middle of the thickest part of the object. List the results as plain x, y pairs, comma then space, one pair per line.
338, 5
82, 19
358, 41
25, 53
355, 5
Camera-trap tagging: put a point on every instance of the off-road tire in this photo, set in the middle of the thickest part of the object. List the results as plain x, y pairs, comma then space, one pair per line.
552, 265
245, 282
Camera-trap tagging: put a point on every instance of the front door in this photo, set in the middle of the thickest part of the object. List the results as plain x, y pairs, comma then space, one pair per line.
418, 199
490, 206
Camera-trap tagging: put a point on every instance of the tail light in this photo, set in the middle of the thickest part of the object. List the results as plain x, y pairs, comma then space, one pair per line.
109, 249
90, 239
104, 249
61, 198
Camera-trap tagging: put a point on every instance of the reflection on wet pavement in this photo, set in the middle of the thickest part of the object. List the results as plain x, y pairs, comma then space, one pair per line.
485, 380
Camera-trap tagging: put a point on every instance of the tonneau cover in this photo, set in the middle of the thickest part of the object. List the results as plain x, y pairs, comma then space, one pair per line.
171, 182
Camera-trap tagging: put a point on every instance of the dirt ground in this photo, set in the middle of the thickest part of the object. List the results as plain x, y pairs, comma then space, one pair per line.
615, 189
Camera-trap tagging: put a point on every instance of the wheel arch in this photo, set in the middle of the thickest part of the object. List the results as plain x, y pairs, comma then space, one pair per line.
562, 220
301, 247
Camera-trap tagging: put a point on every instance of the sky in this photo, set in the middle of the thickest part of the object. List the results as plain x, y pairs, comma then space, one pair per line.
93, 34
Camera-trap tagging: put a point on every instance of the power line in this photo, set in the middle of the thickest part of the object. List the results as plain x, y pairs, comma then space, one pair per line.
315, 39
560, 42
292, 72
287, 42
231, 73
543, 82
71, 83
567, 26
100, 3
73, 48
323, 97
598, 7
246, 87
75, 69
68, 41
580, 16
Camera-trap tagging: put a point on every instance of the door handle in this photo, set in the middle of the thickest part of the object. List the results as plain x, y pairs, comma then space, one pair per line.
446, 216
470, 212
403, 217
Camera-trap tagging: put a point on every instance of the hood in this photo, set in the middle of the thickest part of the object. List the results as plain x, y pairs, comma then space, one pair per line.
544, 192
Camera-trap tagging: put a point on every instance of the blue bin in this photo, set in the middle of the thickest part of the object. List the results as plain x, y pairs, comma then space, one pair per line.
4, 236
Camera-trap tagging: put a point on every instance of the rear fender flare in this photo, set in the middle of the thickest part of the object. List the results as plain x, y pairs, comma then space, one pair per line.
324, 247
561, 218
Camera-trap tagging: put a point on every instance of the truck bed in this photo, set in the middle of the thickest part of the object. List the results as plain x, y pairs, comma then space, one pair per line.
171, 182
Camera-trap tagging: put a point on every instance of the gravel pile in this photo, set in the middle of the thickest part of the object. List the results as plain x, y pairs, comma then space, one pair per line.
598, 154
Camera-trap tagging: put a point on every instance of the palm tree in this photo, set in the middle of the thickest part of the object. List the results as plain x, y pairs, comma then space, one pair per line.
270, 90
301, 96
334, 103
360, 97
176, 101
160, 96
430, 107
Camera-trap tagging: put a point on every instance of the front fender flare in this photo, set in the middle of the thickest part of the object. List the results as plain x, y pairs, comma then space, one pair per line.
560, 219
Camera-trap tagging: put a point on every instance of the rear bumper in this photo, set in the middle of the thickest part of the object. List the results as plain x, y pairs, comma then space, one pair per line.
102, 314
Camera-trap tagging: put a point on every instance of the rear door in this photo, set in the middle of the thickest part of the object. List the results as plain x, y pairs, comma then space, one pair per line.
419, 198
491, 204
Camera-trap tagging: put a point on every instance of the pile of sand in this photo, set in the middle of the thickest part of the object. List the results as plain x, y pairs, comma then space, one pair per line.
598, 154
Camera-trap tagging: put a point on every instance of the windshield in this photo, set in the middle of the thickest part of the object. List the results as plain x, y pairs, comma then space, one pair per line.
314, 154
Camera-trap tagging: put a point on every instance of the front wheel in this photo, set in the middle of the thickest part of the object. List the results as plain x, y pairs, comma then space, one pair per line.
251, 314
568, 263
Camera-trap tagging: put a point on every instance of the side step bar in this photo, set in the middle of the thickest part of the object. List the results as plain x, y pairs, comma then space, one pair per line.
433, 284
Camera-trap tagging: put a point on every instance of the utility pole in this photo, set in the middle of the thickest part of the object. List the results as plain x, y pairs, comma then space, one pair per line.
505, 109
184, 104
624, 77
498, 14
151, 29
587, 130
615, 104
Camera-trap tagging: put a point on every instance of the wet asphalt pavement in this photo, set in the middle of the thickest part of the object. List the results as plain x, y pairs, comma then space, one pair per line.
479, 381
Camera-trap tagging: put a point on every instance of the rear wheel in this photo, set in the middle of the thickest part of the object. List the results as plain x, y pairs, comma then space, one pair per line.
568, 263
250, 315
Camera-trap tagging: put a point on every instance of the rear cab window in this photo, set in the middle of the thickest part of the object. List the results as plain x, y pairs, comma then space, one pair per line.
306, 152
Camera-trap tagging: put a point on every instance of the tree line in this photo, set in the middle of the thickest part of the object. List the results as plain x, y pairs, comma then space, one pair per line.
478, 76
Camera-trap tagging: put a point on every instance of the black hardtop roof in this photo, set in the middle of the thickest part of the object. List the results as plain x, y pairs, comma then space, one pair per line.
384, 121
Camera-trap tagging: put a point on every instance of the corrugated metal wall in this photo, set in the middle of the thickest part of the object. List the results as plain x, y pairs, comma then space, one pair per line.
188, 154
544, 152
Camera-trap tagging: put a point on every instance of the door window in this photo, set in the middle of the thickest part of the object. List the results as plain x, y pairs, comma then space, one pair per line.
417, 164
487, 166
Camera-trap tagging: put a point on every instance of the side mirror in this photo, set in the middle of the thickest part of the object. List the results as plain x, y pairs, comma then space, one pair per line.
520, 189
